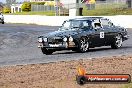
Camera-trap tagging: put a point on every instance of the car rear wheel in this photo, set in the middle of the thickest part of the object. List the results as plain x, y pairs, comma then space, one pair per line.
3, 22
118, 42
83, 45
46, 51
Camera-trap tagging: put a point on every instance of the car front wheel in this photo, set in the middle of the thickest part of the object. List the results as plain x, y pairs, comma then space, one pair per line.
83, 45
118, 42
46, 51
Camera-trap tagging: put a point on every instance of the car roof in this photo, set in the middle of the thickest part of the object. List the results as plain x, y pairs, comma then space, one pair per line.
87, 18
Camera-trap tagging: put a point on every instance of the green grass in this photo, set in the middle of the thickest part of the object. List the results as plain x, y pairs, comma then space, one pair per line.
107, 10
110, 6
128, 86
47, 13
100, 10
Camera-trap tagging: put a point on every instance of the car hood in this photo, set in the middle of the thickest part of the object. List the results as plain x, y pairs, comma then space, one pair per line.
60, 34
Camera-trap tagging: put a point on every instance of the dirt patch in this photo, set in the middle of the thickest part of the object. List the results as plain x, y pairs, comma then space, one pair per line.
63, 74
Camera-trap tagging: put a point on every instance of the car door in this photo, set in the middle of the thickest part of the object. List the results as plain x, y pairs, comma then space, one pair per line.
108, 30
98, 35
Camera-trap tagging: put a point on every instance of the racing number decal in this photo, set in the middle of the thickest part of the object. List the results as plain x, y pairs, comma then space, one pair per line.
101, 34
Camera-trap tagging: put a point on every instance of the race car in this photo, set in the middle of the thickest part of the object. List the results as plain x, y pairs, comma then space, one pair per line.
80, 34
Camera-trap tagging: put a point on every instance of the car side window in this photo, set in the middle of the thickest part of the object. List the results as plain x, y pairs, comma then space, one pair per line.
97, 25
86, 25
105, 22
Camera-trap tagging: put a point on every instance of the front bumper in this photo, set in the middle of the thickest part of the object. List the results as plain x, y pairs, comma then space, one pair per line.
61, 45
126, 37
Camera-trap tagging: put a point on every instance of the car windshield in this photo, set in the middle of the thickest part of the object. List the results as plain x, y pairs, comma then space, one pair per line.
75, 24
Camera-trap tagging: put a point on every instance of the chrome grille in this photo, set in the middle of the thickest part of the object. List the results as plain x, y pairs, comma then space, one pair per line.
55, 40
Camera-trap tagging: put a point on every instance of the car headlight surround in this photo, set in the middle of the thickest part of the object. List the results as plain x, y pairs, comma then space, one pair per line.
45, 39
40, 39
65, 39
71, 39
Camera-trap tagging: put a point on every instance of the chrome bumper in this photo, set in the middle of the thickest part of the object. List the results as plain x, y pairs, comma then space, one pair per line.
126, 37
62, 45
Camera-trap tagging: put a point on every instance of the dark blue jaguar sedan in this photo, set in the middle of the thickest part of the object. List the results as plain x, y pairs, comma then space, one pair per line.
83, 33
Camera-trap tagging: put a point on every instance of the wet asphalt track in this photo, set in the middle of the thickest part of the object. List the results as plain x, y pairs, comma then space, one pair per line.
18, 46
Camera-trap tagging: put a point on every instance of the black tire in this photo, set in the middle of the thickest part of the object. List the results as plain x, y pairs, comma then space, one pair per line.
81, 80
83, 45
117, 42
75, 49
3, 22
46, 51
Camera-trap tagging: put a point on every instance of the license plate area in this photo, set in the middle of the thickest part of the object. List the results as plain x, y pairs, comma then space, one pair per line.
55, 45
55, 40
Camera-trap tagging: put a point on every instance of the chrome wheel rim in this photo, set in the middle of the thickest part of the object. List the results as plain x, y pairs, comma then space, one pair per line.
119, 41
84, 45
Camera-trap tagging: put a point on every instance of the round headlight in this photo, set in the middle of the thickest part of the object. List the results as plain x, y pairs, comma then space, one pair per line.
40, 40
70, 39
65, 39
45, 39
